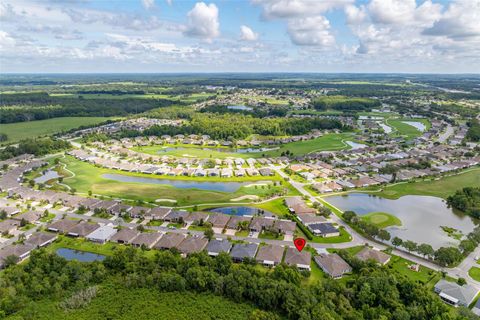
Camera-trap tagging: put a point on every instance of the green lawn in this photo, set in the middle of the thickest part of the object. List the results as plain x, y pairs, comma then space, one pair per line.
276, 206
382, 219
400, 265
438, 188
332, 141
404, 129
23, 130
89, 177
474, 272
118, 302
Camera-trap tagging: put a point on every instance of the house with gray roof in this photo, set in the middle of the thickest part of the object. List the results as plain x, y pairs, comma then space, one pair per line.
216, 246
332, 264
242, 251
125, 236
270, 255
40, 239
476, 308
455, 294
259, 223
169, 241
158, 213
148, 239
235, 220
299, 259
218, 220
102, 234
8, 225
176, 216
286, 227
324, 229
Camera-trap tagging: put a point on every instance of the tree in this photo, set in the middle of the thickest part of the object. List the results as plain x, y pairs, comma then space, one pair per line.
397, 241
467, 246
461, 281
447, 256
384, 235
409, 245
10, 261
425, 249
209, 233
349, 215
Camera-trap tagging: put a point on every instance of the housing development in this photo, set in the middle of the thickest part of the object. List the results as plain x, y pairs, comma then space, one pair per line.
260, 196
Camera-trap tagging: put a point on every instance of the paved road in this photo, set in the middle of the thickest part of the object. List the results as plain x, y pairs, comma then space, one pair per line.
446, 134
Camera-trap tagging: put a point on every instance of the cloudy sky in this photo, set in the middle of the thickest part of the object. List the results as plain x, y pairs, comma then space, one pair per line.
436, 36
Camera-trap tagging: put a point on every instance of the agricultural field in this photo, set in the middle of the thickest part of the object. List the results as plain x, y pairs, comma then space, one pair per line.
32, 129
89, 178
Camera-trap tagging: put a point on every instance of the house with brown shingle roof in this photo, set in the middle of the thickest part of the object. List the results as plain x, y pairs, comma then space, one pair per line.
169, 241
218, 220
260, 223
270, 255
371, 254
125, 236
332, 264
41, 239
192, 245
82, 229
62, 226
301, 260
148, 239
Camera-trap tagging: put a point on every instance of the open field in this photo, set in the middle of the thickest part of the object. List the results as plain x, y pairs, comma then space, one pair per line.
382, 219
31, 129
118, 302
88, 177
327, 142
474, 272
401, 128
438, 188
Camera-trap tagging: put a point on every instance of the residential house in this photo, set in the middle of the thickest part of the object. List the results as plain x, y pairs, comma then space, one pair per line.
21, 251
242, 251
40, 239
455, 294
82, 229
270, 255
62, 226
125, 236
148, 239
332, 264
102, 234
216, 246
368, 253
299, 259
192, 245
170, 241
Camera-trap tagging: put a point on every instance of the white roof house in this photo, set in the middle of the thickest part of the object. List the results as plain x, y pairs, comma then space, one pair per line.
102, 234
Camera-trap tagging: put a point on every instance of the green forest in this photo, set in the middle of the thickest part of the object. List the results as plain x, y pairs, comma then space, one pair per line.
466, 200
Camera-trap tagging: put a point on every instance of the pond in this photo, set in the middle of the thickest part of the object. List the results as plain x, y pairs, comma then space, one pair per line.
47, 176
418, 125
82, 256
240, 107
422, 216
386, 129
228, 186
355, 145
243, 211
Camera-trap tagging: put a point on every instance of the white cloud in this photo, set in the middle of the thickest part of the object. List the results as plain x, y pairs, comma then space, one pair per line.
6, 41
355, 15
148, 4
203, 21
247, 34
460, 22
169, 2
311, 31
298, 8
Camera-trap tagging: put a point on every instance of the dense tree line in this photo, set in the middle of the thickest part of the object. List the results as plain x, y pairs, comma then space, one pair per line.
342, 103
373, 292
22, 107
238, 126
473, 133
466, 200
256, 112
38, 147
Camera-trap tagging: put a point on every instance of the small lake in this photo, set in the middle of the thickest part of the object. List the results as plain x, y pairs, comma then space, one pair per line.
226, 150
82, 256
229, 186
243, 211
418, 125
355, 145
421, 216
240, 107
385, 128
47, 176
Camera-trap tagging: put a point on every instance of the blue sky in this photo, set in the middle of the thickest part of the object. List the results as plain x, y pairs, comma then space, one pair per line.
240, 36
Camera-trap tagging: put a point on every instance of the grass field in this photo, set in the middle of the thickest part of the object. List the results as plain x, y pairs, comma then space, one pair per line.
404, 129
438, 188
31, 129
474, 272
88, 177
120, 303
382, 219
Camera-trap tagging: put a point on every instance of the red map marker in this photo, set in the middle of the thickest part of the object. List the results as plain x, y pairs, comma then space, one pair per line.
299, 243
